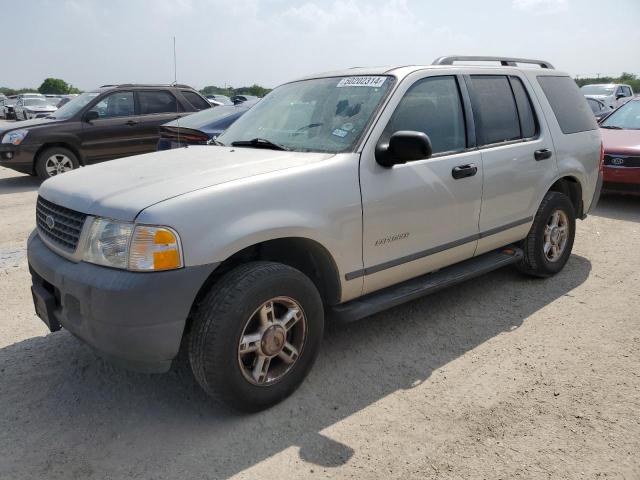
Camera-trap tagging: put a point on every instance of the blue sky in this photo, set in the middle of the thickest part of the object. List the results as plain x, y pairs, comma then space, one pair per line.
239, 42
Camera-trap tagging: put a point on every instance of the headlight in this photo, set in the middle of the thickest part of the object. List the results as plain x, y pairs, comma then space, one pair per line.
133, 247
15, 137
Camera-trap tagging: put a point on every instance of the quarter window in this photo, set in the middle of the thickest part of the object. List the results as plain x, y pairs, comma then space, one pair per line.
159, 101
568, 104
494, 109
432, 105
196, 100
118, 104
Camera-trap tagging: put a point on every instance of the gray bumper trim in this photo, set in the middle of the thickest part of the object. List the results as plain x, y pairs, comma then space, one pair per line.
134, 319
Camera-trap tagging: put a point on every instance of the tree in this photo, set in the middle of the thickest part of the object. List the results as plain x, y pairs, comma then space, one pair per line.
56, 86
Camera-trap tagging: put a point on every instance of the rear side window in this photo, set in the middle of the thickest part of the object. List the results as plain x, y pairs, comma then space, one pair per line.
432, 105
528, 124
196, 100
568, 104
158, 101
494, 109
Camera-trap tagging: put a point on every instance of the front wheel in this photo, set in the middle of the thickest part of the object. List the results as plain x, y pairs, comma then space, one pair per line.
54, 161
256, 334
550, 240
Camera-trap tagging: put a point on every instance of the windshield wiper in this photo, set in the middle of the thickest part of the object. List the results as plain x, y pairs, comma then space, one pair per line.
216, 142
258, 143
612, 127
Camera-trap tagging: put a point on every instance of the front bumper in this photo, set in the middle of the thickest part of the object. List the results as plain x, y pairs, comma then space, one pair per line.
133, 319
18, 157
621, 180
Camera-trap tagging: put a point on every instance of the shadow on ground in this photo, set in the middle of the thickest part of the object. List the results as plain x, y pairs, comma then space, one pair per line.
25, 183
68, 414
618, 207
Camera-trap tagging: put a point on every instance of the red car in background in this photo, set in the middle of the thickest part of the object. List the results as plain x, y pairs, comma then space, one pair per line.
621, 138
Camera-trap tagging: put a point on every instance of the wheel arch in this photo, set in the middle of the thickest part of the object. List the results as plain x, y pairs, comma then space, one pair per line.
61, 144
304, 254
572, 188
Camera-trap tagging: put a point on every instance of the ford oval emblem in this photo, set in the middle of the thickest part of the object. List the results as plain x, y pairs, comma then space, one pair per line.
50, 222
617, 161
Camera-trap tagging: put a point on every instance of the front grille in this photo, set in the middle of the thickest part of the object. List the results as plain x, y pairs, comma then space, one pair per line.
67, 224
621, 161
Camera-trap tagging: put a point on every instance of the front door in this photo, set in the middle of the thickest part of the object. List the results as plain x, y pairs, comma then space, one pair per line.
417, 217
114, 133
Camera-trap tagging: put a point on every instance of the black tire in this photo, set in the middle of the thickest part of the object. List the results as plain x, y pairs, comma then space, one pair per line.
220, 320
535, 262
41, 169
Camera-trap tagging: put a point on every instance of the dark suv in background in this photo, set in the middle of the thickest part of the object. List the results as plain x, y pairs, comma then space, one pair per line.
110, 122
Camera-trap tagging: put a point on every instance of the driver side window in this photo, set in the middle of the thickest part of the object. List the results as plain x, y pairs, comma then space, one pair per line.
117, 104
433, 106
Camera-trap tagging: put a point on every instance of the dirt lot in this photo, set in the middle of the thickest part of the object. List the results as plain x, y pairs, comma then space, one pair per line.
506, 377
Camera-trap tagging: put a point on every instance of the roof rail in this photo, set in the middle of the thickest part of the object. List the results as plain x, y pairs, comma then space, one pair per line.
178, 85
504, 61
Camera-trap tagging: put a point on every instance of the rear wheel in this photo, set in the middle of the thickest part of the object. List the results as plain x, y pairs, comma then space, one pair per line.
256, 334
550, 240
54, 161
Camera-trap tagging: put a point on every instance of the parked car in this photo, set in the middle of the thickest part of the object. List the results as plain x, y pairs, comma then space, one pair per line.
63, 101
236, 99
200, 128
112, 121
8, 105
346, 193
599, 109
32, 107
219, 100
611, 94
53, 100
621, 137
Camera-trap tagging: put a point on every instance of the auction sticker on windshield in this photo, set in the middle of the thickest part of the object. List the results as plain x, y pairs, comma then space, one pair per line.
374, 82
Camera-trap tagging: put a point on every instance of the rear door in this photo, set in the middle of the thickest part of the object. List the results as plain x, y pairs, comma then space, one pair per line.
113, 133
517, 156
155, 107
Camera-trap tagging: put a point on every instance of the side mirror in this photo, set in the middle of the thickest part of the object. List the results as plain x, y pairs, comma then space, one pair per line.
404, 146
91, 115
620, 95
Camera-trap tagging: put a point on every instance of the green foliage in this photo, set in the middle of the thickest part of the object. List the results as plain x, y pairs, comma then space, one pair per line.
56, 86
254, 89
630, 79
53, 86
16, 91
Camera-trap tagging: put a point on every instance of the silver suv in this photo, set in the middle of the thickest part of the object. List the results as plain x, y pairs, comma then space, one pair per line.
338, 195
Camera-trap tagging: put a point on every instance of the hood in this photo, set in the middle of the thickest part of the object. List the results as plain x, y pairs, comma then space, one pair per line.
122, 188
599, 97
40, 108
622, 142
26, 124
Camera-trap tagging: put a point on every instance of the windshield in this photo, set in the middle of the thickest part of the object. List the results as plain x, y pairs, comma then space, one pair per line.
626, 117
319, 115
32, 102
72, 107
205, 117
597, 90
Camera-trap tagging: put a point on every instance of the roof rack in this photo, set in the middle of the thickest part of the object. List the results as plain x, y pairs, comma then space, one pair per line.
504, 61
179, 85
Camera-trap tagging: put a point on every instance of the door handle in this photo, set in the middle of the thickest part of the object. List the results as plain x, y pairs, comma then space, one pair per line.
131, 123
543, 154
464, 171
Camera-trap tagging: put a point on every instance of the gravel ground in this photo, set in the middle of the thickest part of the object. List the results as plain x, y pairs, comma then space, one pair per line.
504, 377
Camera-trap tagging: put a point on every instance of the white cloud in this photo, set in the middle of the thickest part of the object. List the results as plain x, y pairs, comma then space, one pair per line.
541, 7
